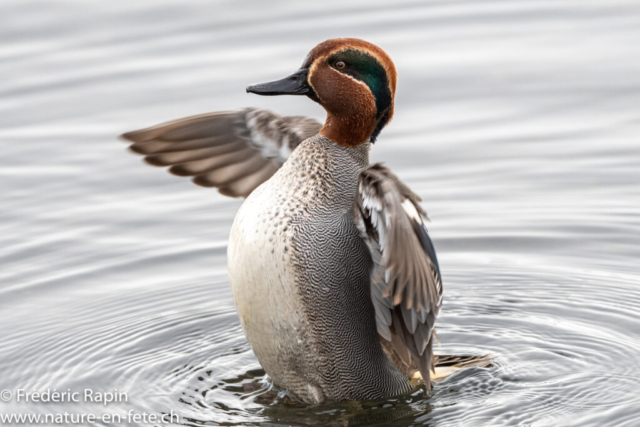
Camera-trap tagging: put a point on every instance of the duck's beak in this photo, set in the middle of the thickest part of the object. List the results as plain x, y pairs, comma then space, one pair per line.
295, 84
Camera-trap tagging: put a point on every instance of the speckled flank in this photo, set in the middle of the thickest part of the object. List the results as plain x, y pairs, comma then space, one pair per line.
300, 275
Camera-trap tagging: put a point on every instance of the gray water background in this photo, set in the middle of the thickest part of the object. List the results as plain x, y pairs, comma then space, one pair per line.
517, 122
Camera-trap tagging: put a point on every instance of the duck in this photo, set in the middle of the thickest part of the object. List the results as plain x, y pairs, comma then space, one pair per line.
333, 273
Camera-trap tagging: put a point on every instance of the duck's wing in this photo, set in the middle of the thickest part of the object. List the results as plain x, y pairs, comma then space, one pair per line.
406, 287
235, 151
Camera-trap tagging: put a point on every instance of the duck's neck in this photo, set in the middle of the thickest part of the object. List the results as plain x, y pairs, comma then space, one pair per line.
324, 173
348, 131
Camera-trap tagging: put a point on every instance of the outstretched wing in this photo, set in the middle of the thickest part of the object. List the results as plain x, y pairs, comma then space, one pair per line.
235, 151
406, 287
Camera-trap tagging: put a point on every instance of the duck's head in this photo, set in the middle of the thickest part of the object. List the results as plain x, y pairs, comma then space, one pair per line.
355, 82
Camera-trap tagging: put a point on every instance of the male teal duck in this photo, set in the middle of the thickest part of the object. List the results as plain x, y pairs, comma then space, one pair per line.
333, 273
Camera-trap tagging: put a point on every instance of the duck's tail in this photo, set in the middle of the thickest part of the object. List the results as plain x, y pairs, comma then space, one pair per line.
446, 365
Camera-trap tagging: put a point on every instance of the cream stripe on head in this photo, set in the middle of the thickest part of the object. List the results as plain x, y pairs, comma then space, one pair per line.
334, 66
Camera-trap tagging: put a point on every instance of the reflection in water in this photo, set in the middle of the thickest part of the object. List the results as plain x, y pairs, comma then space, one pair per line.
515, 122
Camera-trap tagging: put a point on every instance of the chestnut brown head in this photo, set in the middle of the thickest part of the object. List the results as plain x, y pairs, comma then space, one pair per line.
355, 82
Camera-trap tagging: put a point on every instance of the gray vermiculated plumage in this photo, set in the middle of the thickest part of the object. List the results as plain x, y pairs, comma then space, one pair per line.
235, 151
314, 277
406, 284
357, 318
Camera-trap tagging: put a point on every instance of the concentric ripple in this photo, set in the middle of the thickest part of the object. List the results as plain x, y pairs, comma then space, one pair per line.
516, 122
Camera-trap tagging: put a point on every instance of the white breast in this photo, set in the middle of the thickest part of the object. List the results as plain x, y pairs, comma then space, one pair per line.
263, 284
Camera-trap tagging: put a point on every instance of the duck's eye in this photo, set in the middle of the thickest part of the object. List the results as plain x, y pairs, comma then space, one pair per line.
340, 65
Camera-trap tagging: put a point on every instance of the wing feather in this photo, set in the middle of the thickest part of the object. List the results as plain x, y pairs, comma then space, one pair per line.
406, 286
235, 151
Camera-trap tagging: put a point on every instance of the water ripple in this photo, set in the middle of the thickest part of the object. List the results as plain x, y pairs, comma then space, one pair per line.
516, 122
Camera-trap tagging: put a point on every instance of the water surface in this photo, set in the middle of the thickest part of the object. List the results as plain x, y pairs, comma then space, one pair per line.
516, 122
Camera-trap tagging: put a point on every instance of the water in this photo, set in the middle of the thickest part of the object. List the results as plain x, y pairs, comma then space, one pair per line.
517, 123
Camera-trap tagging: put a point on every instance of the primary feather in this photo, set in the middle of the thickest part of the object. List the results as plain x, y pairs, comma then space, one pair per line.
406, 284
235, 151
